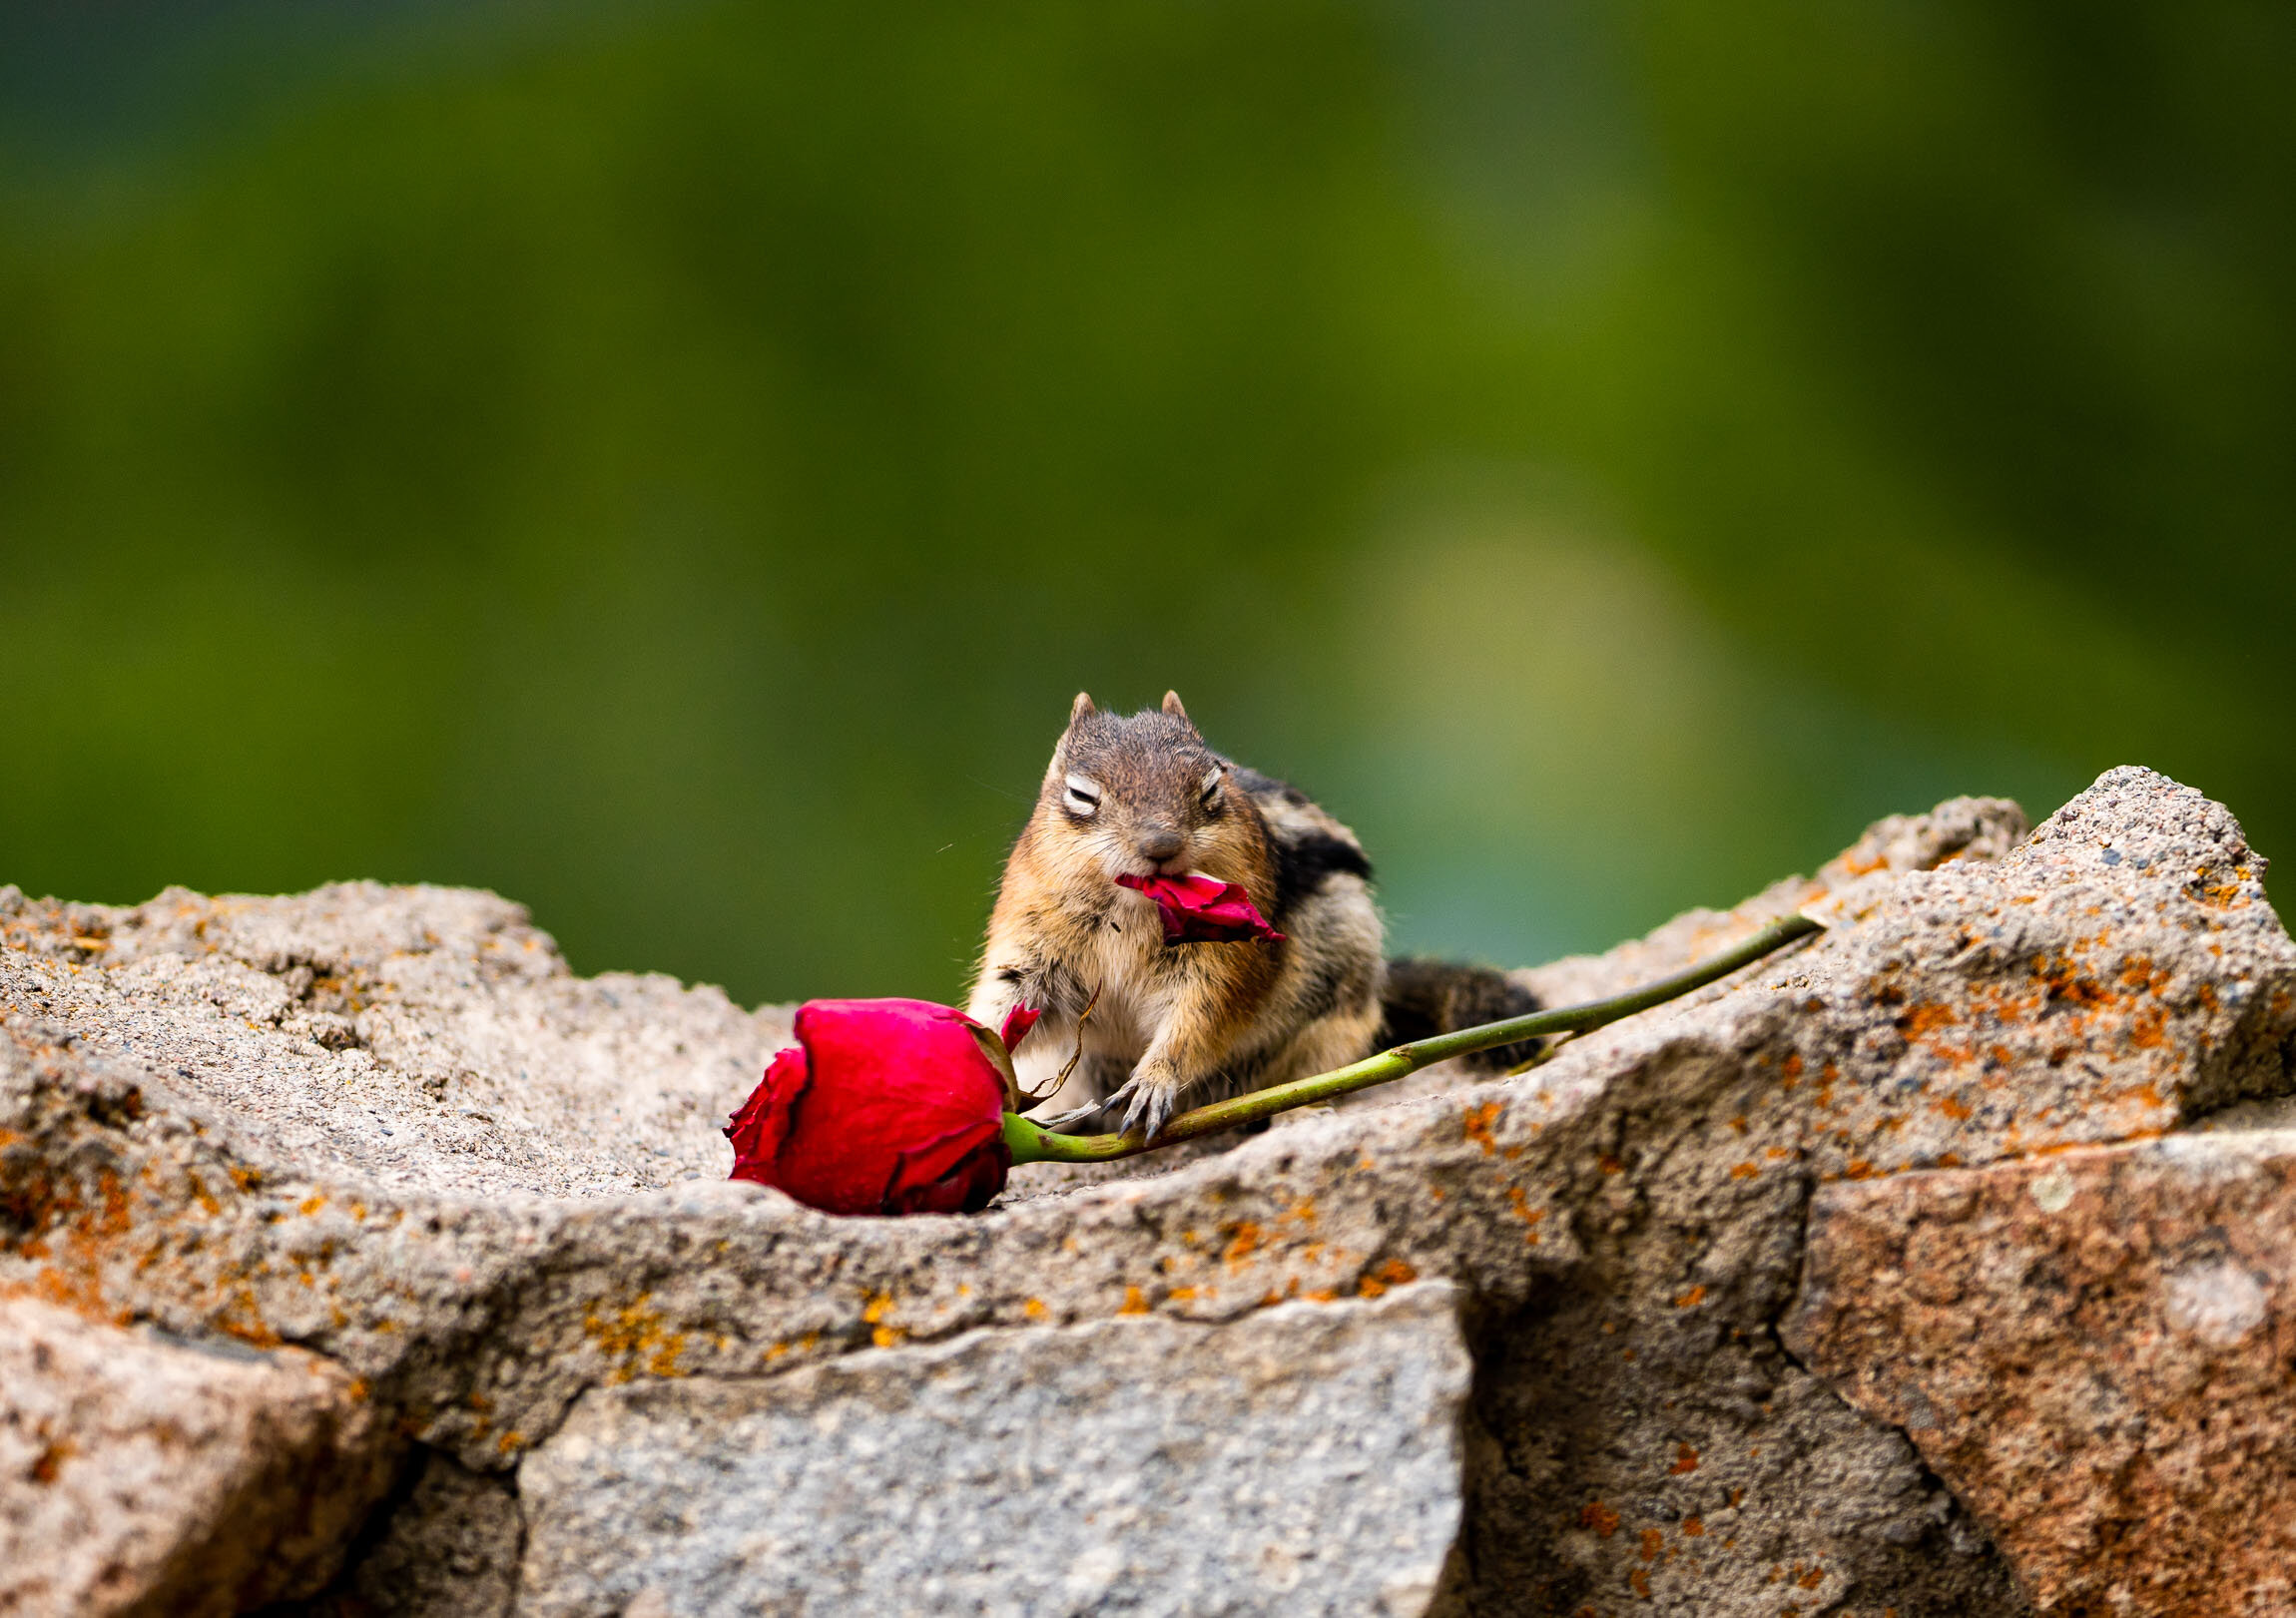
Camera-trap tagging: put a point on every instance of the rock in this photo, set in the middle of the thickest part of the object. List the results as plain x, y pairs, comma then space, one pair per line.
2092, 1351
388, 1127
446, 1547
1301, 1460
142, 1476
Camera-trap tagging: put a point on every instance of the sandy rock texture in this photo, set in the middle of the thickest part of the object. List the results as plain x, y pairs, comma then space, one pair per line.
1304, 1459
386, 1128
445, 1544
2092, 1351
138, 1473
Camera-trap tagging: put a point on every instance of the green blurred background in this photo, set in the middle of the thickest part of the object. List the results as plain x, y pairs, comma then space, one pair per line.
674, 463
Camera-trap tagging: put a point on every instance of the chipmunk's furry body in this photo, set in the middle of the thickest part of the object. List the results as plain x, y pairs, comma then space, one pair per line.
1186, 1023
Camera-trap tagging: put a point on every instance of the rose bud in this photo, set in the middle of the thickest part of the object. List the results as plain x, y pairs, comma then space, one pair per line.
1202, 909
881, 1107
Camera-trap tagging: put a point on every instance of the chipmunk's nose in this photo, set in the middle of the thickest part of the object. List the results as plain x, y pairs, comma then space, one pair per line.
1159, 843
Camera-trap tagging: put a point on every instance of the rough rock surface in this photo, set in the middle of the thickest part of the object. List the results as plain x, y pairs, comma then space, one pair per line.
445, 1546
139, 1475
388, 1127
2092, 1351
1114, 1466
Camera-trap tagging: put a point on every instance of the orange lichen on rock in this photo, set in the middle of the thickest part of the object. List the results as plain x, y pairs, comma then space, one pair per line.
1244, 1240
1477, 1124
636, 1338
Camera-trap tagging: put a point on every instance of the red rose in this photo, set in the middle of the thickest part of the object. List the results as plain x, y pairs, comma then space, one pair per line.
881, 1107
1202, 909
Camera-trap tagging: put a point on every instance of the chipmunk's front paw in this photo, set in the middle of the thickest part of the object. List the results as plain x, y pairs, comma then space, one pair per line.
1149, 1097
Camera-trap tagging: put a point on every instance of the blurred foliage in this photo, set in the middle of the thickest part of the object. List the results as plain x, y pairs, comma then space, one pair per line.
674, 466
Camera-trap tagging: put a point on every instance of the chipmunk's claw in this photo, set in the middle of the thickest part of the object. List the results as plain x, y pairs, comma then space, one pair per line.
1149, 1108
1129, 1095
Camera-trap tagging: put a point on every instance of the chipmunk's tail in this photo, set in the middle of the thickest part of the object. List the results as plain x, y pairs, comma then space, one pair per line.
1440, 998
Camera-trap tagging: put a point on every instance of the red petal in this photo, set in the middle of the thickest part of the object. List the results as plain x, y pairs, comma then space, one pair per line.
1202, 909
1017, 1022
965, 1189
759, 1128
927, 1161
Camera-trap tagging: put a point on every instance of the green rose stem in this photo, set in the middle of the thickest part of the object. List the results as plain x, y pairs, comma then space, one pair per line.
1033, 1144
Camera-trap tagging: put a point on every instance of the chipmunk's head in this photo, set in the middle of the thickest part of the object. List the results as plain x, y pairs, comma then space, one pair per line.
1144, 795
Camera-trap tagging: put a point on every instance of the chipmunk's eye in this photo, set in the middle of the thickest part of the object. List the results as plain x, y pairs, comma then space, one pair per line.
1212, 788
1084, 797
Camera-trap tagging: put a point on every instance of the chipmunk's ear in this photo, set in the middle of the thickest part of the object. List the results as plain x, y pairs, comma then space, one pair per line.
1172, 706
1082, 708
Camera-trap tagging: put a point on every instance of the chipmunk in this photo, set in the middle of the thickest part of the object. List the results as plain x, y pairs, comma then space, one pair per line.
1144, 795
